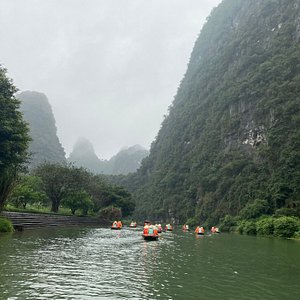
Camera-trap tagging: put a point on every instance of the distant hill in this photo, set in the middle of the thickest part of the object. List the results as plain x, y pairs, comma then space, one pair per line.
126, 161
83, 155
45, 145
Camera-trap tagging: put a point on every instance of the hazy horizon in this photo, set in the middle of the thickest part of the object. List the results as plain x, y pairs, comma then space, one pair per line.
110, 69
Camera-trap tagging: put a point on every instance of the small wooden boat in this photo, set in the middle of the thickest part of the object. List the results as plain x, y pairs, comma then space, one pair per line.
116, 225
150, 237
116, 228
200, 233
133, 225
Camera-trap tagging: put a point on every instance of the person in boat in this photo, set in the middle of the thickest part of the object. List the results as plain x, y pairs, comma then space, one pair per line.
146, 229
159, 228
169, 227
199, 230
185, 227
119, 224
213, 229
115, 224
133, 224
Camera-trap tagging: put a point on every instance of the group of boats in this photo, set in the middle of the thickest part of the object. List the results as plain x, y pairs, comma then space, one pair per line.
151, 232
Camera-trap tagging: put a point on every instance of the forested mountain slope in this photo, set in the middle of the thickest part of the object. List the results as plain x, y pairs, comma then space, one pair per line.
45, 145
232, 134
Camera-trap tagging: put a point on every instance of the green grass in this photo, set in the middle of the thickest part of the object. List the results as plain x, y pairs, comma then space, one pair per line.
6, 225
42, 210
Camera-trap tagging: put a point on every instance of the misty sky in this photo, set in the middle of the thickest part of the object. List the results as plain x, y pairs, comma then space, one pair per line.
110, 68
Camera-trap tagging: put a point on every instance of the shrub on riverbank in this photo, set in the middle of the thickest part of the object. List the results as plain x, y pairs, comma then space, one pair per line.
247, 227
5, 225
286, 226
228, 223
265, 226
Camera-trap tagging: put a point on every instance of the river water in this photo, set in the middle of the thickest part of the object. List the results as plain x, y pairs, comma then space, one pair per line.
99, 263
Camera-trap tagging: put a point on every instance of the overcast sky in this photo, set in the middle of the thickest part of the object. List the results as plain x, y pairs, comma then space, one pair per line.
110, 68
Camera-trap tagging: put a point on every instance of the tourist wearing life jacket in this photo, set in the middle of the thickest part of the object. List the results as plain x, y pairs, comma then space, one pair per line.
168, 227
115, 224
213, 229
146, 229
199, 230
119, 224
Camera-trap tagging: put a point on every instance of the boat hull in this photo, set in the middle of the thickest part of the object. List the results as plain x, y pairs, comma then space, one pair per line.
150, 237
116, 228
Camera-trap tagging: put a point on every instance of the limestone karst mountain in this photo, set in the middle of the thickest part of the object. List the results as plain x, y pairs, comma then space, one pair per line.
45, 145
232, 133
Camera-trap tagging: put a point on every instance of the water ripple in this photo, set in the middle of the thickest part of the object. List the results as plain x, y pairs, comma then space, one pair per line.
104, 264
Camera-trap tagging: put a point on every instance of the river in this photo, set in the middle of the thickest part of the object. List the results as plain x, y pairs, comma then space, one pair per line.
99, 263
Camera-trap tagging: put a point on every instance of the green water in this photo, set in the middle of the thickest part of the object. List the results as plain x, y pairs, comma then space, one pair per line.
98, 263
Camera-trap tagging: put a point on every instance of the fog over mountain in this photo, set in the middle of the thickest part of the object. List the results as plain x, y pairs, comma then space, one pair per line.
110, 69
45, 145
126, 161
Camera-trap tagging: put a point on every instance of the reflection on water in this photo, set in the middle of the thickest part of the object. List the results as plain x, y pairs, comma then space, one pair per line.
100, 263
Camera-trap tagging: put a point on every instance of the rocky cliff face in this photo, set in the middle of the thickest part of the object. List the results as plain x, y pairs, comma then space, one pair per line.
232, 132
45, 145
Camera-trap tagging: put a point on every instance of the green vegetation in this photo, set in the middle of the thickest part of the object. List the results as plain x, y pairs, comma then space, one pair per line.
28, 190
14, 137
78, 200
284, 226
64, 188
5, 225
230, 144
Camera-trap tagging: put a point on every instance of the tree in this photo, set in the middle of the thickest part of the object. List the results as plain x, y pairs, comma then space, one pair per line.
54, 177
28, 190
78, 200
14, 138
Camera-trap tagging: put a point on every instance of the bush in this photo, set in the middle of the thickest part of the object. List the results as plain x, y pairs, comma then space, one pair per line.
192, 222
265, 226
286, 226
284, 211
247, 227
227, 223
6, 225
255, 209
